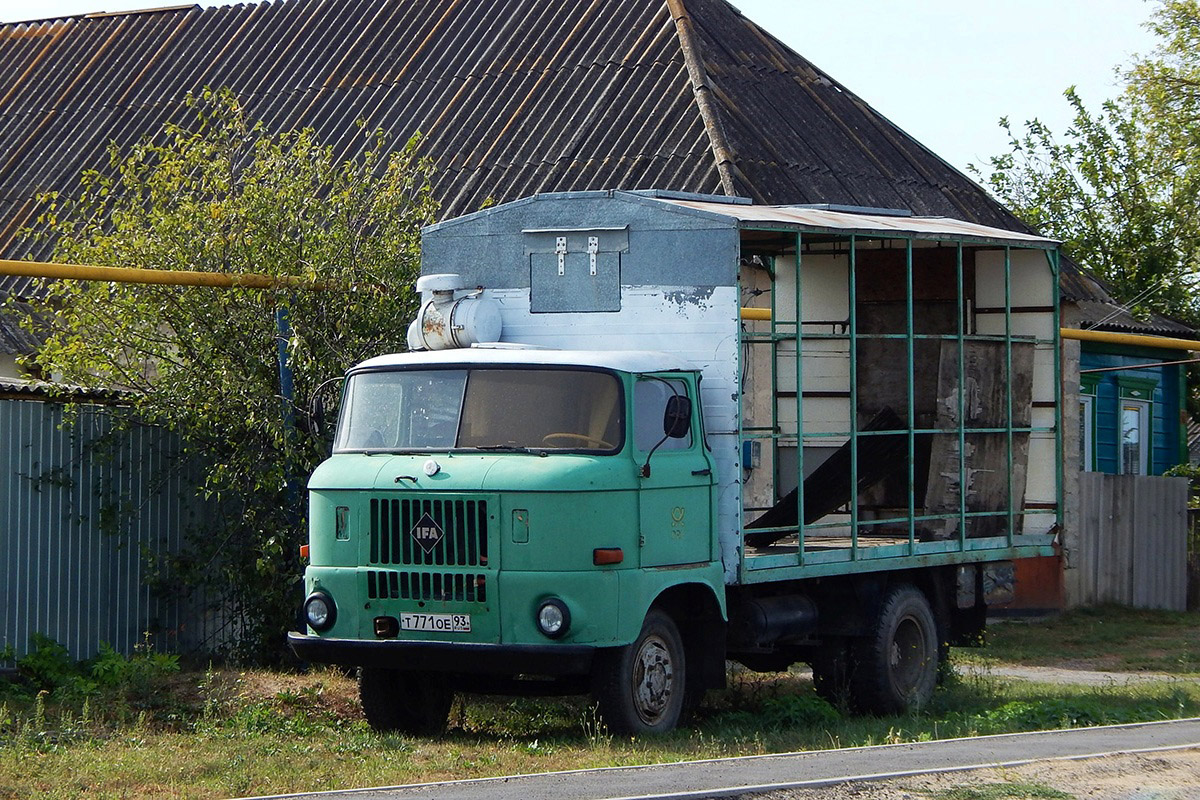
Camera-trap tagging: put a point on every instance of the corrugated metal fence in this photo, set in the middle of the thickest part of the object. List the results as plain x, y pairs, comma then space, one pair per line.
1132, 541
82, 506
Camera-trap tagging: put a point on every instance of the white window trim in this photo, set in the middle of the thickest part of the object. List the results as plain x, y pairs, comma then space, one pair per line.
1143, 438
1087, 430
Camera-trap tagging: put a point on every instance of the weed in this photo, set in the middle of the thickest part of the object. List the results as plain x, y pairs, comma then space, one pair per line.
229, 733
786, 711
1003, 791
594, 730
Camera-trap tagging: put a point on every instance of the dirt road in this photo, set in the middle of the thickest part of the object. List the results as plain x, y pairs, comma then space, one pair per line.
1169, 775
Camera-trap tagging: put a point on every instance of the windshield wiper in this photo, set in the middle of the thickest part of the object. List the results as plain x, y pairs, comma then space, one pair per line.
509, 448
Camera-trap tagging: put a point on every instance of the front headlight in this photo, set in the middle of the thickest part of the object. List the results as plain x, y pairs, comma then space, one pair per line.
319, 611
553, 618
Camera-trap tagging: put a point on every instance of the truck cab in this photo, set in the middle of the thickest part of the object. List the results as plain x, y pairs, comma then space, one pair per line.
507, 512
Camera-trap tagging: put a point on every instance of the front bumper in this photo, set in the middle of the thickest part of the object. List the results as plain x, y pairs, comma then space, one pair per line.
481, 658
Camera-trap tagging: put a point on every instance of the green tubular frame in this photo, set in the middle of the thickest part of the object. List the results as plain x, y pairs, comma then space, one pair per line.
1052, 257
852, 286
962, 399
799, 563
1008, 382
911, 381
800, 535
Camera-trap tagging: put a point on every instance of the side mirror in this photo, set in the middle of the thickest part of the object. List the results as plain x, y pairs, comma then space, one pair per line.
316, 415
677, 419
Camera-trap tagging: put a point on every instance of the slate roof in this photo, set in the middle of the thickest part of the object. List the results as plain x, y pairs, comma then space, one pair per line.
513, 97
14, 339
18, 389
1110, 316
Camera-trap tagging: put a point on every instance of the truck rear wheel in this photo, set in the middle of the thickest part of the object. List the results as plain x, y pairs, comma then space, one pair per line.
640, 688
416, 703
895, 668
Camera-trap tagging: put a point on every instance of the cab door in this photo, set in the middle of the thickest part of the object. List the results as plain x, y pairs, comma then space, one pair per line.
675, 498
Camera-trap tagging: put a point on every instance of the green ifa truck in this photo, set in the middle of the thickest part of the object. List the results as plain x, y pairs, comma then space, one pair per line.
639, 434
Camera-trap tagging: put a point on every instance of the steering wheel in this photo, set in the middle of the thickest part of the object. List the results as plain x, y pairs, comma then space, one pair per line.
576, 437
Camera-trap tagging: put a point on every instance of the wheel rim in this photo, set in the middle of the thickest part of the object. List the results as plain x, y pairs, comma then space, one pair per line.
653, 680
908, 657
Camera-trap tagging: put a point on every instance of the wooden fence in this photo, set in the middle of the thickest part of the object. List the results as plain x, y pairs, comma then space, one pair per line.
1132, 541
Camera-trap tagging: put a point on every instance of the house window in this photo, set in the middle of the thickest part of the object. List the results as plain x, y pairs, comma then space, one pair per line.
1135, 437
1087, 422
1134, 413
1087, 433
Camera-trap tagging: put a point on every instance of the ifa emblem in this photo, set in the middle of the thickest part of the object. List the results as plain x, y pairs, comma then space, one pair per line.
426, 533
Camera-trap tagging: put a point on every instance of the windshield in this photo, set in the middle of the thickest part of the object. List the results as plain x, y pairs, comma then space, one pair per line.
481, 408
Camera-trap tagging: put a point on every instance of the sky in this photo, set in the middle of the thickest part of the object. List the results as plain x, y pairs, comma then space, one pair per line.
945, 71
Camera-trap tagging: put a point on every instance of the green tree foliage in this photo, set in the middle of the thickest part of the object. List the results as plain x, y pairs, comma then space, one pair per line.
221, 194
1120, 186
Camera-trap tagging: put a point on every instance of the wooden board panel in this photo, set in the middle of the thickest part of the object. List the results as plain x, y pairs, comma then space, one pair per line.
984, 405
1132, 541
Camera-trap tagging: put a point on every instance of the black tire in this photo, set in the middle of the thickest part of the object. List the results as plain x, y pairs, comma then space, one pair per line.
415, 703
642, 688
895, 668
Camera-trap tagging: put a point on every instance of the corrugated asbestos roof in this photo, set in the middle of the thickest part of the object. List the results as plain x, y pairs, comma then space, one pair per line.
513, 97
14, 338
15, 389
1110, 316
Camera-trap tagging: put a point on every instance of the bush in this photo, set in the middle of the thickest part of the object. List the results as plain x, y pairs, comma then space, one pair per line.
120, 681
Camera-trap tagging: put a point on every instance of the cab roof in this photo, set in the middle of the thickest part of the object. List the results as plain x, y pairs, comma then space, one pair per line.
508, 355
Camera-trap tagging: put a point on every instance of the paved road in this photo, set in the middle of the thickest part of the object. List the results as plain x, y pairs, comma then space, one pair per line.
734, 776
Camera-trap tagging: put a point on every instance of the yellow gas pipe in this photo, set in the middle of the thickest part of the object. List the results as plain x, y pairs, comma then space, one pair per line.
224, 280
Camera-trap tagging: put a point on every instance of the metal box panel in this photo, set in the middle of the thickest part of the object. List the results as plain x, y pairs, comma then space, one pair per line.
577, 287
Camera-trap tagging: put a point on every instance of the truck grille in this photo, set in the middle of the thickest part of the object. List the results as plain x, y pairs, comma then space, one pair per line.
463, 525
452, 586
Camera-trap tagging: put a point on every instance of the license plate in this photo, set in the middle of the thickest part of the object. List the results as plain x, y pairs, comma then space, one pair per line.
444, 623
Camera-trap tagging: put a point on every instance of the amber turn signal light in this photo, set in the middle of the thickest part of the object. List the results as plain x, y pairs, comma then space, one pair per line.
607, 555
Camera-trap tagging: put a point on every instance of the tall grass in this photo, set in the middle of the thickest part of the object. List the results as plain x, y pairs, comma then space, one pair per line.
146, 729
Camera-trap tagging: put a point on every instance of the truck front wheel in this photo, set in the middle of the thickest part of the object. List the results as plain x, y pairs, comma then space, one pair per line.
415, 703
640, 688
895, 667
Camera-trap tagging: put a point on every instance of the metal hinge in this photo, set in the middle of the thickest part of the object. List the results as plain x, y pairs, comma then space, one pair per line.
593, 249
560, 247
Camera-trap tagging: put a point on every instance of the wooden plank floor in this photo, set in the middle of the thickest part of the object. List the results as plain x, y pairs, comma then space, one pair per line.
814, 543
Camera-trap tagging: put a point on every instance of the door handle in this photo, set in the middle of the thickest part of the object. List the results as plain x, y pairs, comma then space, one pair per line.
705, 471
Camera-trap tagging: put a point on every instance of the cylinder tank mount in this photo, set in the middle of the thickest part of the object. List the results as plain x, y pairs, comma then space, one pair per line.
451, 316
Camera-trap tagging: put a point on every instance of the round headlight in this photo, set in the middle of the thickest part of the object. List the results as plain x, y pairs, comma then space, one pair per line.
553, 618
319, 611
